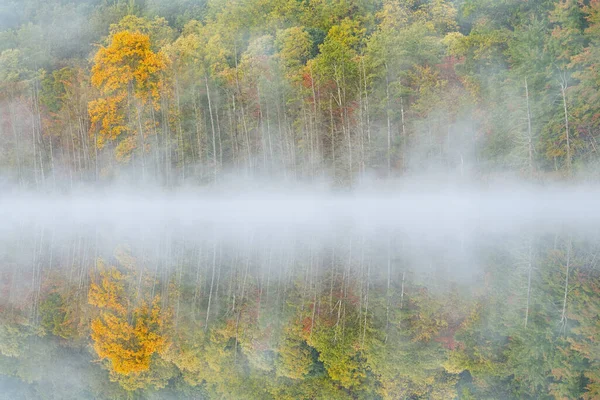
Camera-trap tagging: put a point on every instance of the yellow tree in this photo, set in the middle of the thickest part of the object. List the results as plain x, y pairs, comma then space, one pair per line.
128, 74
125, 336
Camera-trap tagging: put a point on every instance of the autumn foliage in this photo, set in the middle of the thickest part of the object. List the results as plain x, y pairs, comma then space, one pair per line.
127, 72
128, 340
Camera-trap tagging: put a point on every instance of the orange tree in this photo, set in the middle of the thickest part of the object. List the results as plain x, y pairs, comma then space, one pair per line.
128, 74
125, 335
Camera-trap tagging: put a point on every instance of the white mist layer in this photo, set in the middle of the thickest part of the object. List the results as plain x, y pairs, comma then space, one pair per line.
424, 212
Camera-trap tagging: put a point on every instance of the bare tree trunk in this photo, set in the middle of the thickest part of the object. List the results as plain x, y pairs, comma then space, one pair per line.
143, 142
315, 290
180, 140
212, 281
233, 127
332, 279
315, 114
198, 278
389, 123
529, 135
529, 270
76, 157
404, 135
366, 306
33, 144
282, 139
52, 162
563, 316
212, 125
244, 125
402, 290
84, 146
38, 129
96, 167
332, 132
290, 140
263, 141
362, 128
16, 139
270, 139
166, 139
563, 90
219, 137
387, 293
343, 116
366, 101
198, 128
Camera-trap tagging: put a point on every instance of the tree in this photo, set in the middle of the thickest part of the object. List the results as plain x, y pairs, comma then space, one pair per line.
295, 358
127, 337
336, 66
128, 74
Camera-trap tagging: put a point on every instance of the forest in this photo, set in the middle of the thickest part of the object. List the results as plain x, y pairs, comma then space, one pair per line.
190, 91
395, 255
190, 315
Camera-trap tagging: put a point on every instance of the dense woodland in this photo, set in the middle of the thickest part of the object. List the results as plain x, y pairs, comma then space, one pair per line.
356, 319
186, 91
192, 92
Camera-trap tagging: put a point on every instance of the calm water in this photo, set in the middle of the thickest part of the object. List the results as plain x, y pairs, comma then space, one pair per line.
428, 295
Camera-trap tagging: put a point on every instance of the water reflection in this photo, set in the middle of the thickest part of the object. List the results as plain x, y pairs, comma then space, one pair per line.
205, 311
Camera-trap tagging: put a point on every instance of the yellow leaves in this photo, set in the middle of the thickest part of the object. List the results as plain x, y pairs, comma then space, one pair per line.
109, 293
157, 29
295, 45
128, 60
106, 114
397, 15
12, 338
295, 358
116, 340
128, 347
125, 72
442, 14
125, 259
125, 148
456, 44
347, 33
199, 51
128, 340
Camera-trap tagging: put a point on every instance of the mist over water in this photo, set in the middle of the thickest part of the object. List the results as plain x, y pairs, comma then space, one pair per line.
452, 227
413, 209
450, 231
228, 256
457, 220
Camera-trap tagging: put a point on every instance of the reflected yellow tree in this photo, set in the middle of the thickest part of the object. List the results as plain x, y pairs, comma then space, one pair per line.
125, 335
